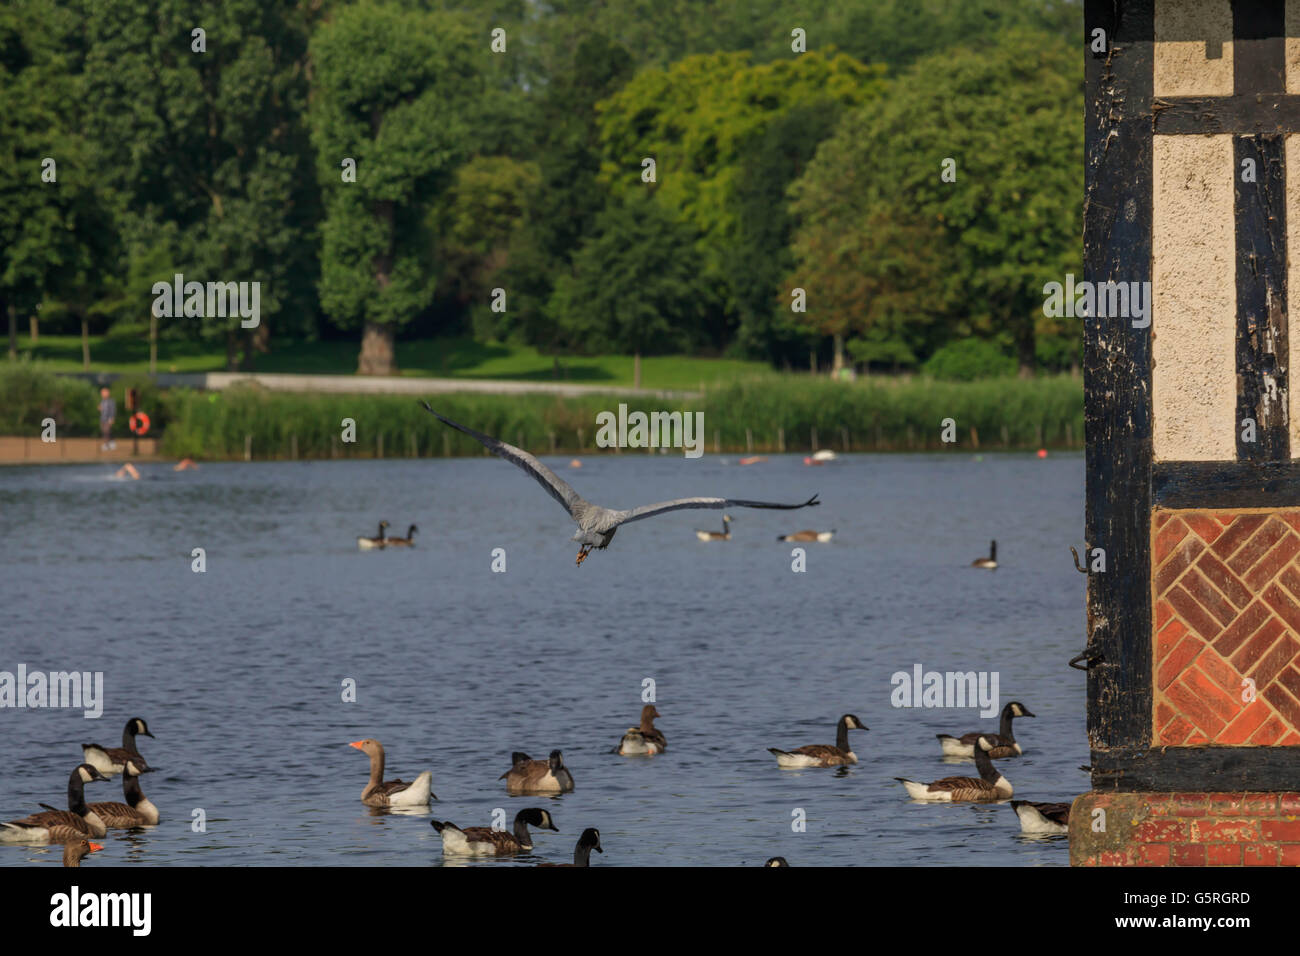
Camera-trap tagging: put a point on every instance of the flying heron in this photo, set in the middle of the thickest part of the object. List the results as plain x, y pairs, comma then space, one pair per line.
596, 525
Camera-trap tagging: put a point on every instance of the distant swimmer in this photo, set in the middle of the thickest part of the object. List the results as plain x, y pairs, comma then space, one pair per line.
127, 471
186, 464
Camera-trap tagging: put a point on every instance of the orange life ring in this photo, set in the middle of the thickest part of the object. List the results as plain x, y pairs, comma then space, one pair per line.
139, 423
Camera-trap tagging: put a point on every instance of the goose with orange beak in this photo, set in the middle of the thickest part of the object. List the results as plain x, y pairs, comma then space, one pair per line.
379, 792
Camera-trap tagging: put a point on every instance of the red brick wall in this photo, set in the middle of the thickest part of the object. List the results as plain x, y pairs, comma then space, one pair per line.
1186, 829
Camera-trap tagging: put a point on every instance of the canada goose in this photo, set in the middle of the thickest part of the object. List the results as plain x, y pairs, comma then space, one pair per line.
527, 775
407, 542
138, 811
644, 740
590, 840
821, 537
1042, 817
597, 525
776, 861
484, 841
60, 826
110, 760
370, 544
74, 850
379, 792
989, 785
822, 755
1004, 741
991, 562
723, 535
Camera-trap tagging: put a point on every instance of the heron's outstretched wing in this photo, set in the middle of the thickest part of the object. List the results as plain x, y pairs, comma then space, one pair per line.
649, 511
555, 486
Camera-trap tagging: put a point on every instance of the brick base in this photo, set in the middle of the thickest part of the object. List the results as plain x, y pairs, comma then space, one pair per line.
1185, 829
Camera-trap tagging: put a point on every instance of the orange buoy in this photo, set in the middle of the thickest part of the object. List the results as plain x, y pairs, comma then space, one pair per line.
1042, 453
139, 423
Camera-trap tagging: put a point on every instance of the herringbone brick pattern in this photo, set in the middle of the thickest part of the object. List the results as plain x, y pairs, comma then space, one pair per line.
1226, 587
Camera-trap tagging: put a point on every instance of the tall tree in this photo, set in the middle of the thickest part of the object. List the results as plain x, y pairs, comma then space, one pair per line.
885, 238
397, 95
196, 110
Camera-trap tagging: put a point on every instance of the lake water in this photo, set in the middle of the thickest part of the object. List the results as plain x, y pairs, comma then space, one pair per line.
239, 670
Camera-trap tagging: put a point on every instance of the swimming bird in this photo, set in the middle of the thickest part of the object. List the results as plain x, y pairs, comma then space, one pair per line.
379, 792
821, 537
1004, 741
60, 826
110, 760
138, 811
484, 841
989, 785
991, 562
822, 755
407, 542
597, 525
644, 740
723, 535
776, 861
527, 775
590, 840
1042, 817
74, 850
370, 544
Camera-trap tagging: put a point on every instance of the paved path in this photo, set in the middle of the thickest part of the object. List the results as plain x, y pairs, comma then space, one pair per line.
15, 450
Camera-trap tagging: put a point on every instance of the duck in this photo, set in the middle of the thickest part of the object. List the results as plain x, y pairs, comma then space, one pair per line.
527, 775
370, 544
723, 535
407, 542
74, 850
484, 841
991, 562
776, 861
822, 755
645, 740
1042, 817
60, 826
821, 537
989, 785
111, 760
138, 811
590, 840
1004, 741
379, 792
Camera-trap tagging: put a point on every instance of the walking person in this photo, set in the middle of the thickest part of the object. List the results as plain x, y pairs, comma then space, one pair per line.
107, 414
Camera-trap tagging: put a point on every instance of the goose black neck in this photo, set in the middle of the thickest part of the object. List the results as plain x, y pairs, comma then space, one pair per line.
582, 855
984, 764
1004, 731
131, 789
77, 794
381, 531
842, 735
128, 738
521, 830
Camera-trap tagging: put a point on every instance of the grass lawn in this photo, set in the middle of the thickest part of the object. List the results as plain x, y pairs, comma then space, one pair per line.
449, 358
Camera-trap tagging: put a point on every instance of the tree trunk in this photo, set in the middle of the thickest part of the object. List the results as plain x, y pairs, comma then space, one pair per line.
85, 343
153, 343
837, 364
34, 324
636, 370
1025, 349
232, 351
13, 331
378, 356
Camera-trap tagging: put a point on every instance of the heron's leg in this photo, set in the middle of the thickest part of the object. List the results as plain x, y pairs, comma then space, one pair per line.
582, 555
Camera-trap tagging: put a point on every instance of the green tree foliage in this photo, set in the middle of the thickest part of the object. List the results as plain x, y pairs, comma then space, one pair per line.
635, 285
397, 93
892, 254
207, 149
